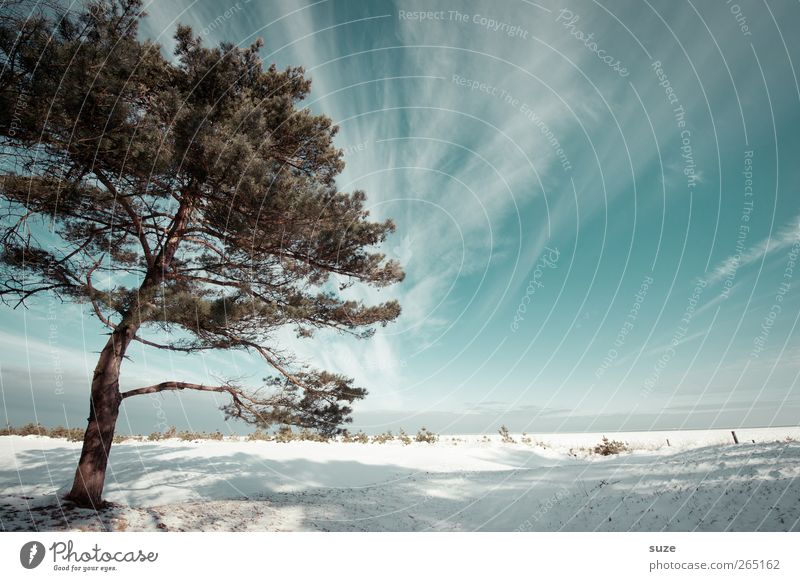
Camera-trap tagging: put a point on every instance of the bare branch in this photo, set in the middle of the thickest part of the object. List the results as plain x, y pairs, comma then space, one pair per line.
177, 386
91, 294
175, 347
270, 358
259, 409
135, 219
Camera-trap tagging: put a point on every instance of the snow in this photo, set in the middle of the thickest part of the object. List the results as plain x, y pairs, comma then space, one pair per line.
702, 481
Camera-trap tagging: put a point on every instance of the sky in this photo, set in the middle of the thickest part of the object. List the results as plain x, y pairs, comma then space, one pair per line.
597, 208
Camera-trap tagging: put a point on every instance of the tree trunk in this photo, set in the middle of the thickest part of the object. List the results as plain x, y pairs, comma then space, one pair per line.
87, 489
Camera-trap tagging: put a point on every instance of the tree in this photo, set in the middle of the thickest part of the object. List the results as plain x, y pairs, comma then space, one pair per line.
200, 189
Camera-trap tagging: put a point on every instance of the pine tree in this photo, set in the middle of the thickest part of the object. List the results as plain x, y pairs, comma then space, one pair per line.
201, 188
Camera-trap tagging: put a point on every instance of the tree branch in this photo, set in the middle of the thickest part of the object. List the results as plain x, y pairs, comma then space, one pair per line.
175, 347
137, 222
180, 385
91, 294
243, 403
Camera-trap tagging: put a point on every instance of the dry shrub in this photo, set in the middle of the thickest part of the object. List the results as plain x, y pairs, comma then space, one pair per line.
609, 447
387, 436
424, 435
505, 436
403, 437
259, 435
284, 434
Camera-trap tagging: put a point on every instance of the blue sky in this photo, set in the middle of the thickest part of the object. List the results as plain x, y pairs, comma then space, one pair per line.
597, 209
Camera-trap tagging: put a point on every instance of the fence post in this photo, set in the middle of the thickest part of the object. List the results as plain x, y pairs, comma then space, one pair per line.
735, 439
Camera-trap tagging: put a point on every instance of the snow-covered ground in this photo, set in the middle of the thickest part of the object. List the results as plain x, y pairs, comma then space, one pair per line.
702, 481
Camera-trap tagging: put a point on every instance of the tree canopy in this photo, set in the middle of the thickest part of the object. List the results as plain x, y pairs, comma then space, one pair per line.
198, 185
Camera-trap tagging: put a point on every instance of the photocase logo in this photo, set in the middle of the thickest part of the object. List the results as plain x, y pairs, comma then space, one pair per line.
31, 554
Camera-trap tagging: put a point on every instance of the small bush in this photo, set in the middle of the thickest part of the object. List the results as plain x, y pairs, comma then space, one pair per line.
31, 429
307, 435
424, 435
387, 436
259, 435
403, 437
505, 436
168, 434
118, 438
71, 434
284, 434
359, 437
608, 447
187, 436
58, 432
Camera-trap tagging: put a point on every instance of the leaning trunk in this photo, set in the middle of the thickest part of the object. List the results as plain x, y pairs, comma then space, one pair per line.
87, 489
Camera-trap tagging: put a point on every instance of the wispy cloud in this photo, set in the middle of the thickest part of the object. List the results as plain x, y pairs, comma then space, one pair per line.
785, 238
